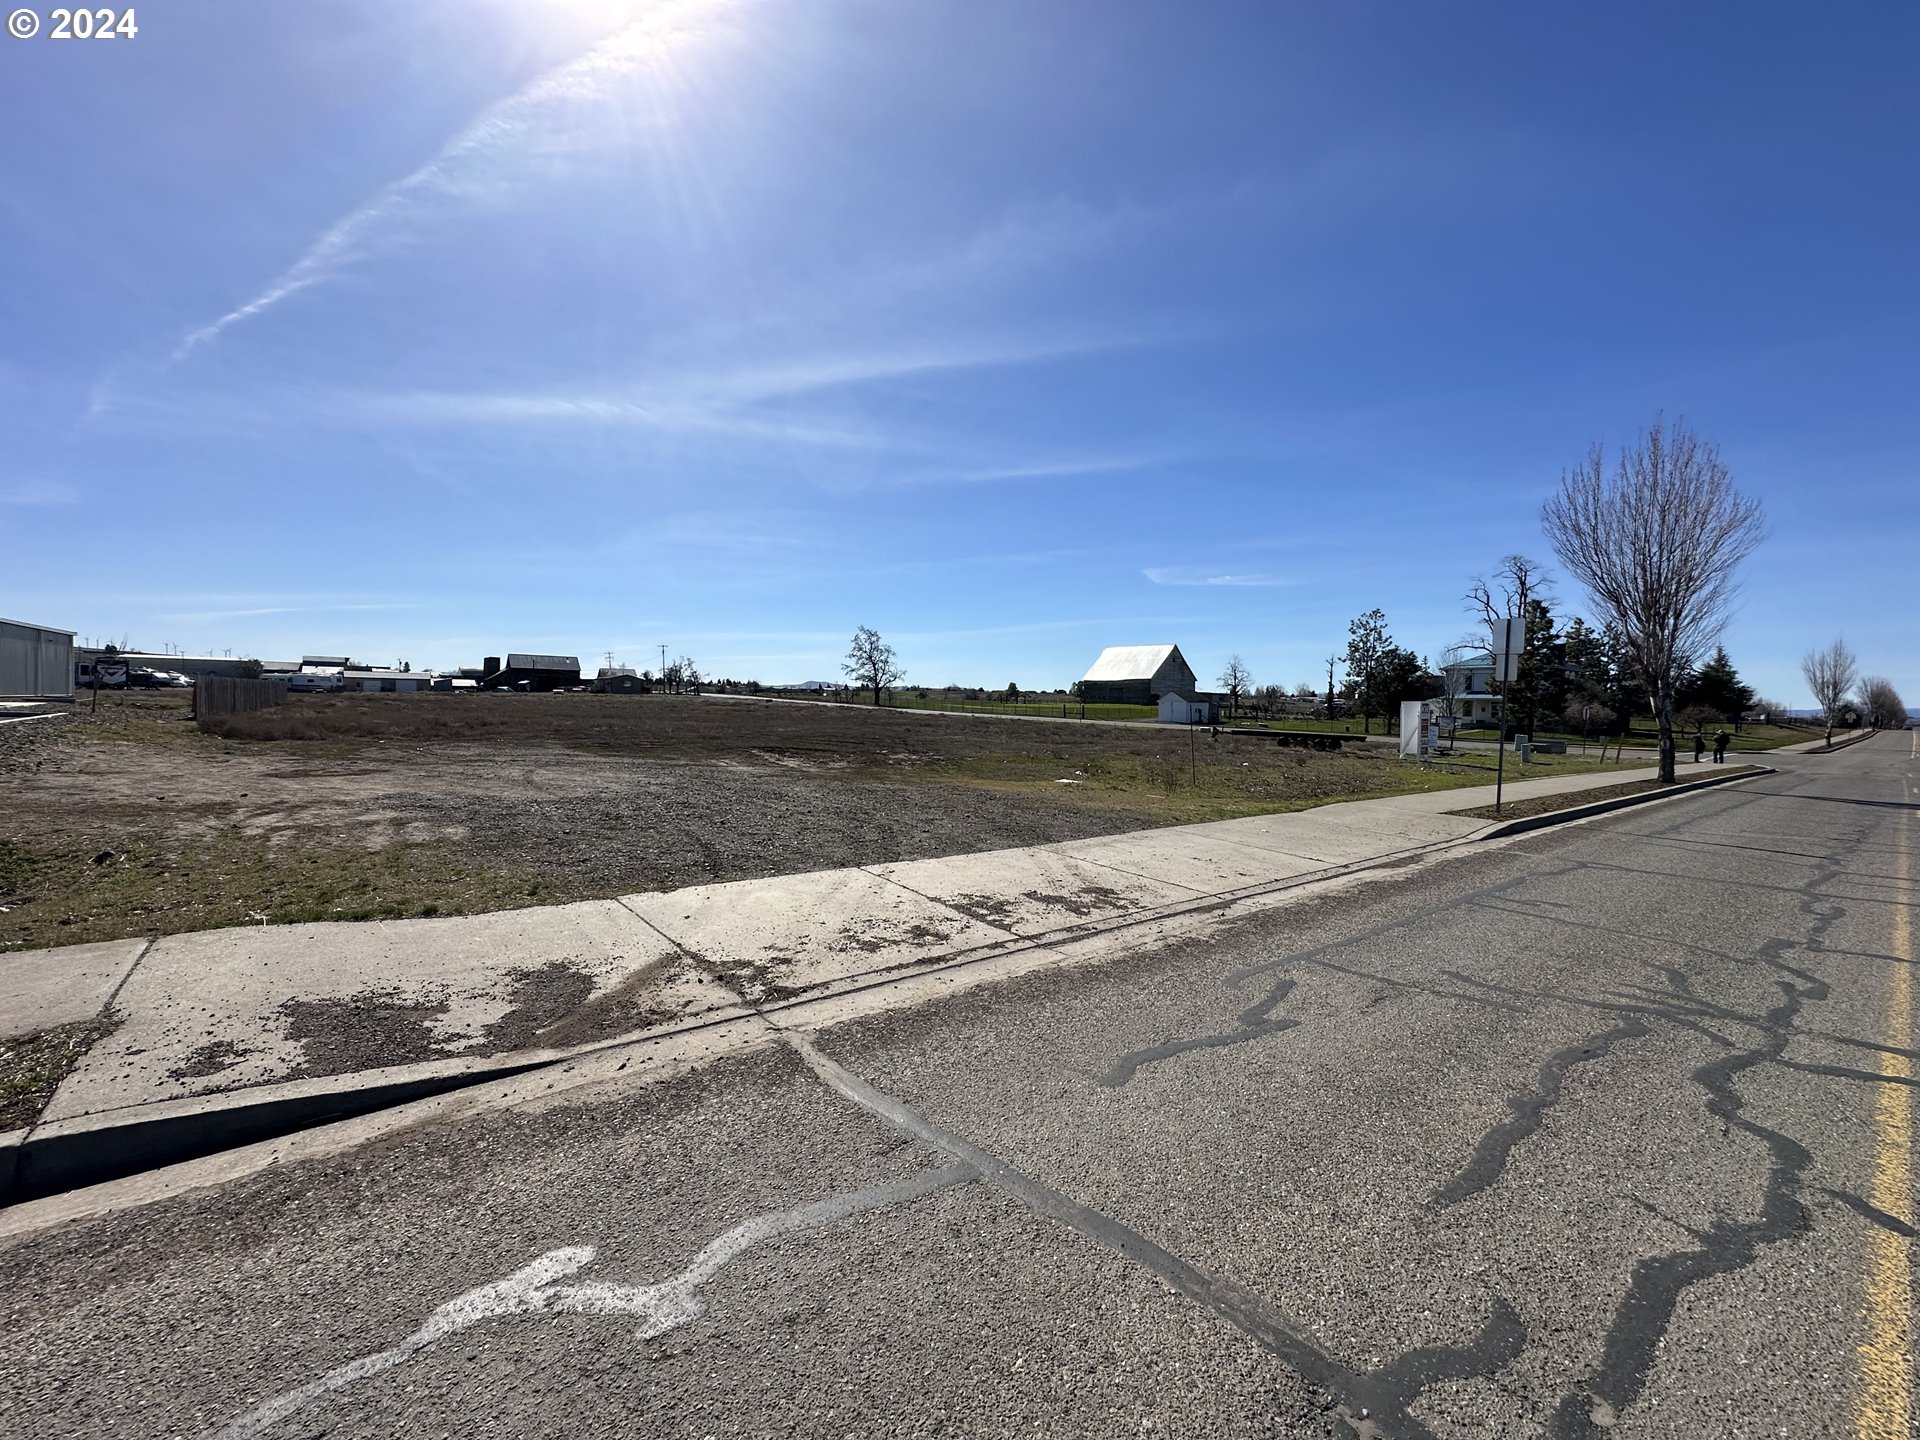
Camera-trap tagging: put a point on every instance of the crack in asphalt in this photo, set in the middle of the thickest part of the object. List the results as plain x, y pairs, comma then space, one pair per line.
1867, 1210
1254, 1021
1490, 1156
1644, 1313
1374, 1404
1591, 1406
1257, 1019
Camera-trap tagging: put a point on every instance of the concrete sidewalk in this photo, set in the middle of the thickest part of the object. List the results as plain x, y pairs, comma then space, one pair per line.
237, 1011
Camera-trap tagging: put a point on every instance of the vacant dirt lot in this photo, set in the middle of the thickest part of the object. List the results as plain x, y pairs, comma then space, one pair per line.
131, 822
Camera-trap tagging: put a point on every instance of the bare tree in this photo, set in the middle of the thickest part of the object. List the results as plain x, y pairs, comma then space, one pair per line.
1236, 680
1453, 682
1884, 708
1830, 674
1657, 546
871, 663
1517, 581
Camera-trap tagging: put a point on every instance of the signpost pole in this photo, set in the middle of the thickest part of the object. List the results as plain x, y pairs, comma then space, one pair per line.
1500, 766
1511, 633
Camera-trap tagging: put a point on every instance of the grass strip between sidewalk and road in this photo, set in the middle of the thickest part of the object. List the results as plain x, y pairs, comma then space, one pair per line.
1574, 799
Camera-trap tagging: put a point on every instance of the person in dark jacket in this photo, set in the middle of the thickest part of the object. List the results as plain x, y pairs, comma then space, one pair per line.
1720, 742
1699, 747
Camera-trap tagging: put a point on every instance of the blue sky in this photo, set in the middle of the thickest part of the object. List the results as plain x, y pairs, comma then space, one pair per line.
434, 330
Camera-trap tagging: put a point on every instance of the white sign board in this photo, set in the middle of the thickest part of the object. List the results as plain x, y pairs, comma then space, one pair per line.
1509, 641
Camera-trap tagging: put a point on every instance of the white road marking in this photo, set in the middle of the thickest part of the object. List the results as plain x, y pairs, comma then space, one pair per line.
531, 1290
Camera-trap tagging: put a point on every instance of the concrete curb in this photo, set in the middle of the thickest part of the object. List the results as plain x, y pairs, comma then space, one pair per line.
1502, 829
1860, 739
64, 1155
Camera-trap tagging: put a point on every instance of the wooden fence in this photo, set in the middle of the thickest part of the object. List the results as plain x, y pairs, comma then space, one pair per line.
217, 695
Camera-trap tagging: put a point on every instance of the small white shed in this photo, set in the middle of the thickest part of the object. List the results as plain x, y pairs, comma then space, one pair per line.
1178, 709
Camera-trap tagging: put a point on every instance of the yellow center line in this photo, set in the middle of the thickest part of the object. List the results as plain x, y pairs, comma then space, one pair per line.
1886, 1354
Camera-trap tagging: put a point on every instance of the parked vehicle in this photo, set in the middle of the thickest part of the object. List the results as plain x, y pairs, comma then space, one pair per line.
312, 683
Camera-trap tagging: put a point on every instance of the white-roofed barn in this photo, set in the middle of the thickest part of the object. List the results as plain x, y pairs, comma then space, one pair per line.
1136, 675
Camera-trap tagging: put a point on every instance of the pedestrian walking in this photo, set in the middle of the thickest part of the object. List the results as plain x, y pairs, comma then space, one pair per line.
1699, 747
1720, 741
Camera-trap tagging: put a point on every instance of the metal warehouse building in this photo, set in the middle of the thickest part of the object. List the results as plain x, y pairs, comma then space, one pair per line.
36, 661
1136, 675
532, 672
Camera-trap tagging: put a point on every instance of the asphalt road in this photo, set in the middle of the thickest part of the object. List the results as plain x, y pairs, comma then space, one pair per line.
1606, 1131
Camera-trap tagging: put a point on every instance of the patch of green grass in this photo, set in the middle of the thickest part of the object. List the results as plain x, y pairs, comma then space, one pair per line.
59, 896
1319, 725
1056, 709
1228, 779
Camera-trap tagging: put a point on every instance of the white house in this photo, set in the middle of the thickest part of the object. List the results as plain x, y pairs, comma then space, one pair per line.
1469, 681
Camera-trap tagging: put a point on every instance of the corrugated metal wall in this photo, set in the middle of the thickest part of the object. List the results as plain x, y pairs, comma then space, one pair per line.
33, 661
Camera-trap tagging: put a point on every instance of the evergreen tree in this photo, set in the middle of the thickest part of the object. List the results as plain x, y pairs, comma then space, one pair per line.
1717, 686
1589, 678
1367, 643
1398, 675
1541, 691
1586, 655
1627, 691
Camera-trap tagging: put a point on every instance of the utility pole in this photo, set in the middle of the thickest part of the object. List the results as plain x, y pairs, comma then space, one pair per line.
663, 665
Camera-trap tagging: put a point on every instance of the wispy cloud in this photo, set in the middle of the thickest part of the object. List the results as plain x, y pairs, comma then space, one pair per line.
1169, 575
1065, 468
468, 166
38, 492
251, 612
716, 398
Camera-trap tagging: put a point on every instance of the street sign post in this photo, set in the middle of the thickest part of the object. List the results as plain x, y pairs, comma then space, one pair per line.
1509, 641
